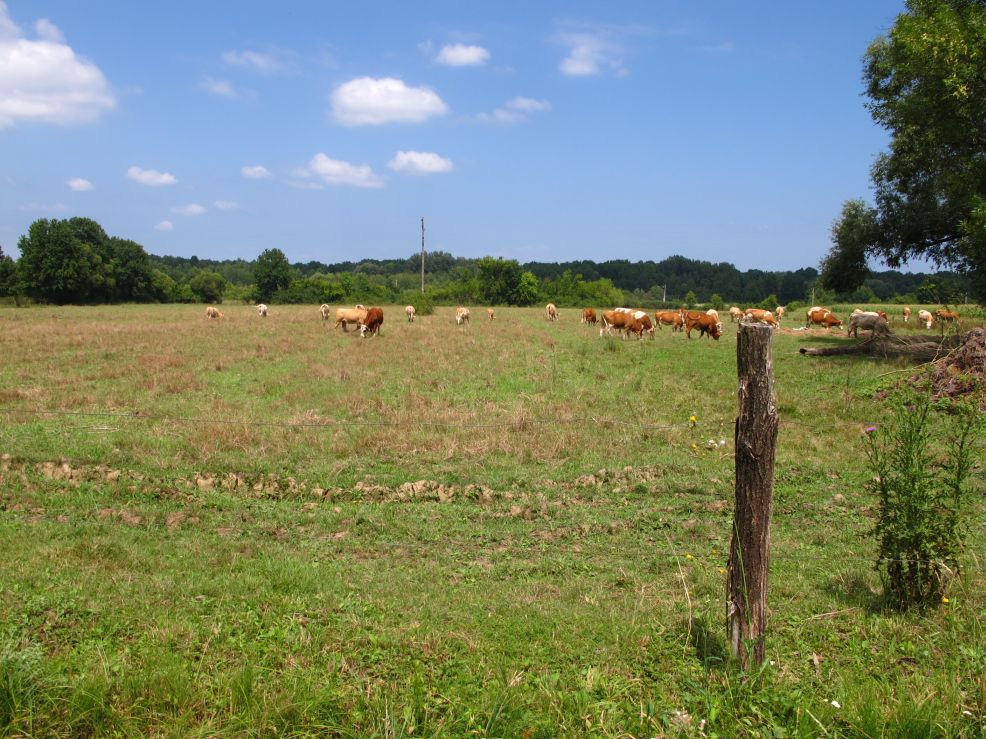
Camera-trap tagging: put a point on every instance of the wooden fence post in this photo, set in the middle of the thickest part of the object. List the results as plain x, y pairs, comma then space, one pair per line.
756, 439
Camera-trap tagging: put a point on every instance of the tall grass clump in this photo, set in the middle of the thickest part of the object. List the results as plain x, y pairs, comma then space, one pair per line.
920, 463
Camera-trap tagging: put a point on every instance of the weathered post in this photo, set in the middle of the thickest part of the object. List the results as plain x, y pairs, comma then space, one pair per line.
756, 439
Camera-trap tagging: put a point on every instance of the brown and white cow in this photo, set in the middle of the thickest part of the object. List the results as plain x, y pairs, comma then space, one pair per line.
345, 316
822, 317
212, 312
589, 316
672, 318
704, 323
262, 310
758, 315
925, 317
410, 312
781, 310
947, 316
714, 313
372, 322
461, 315
907, 313
614, 319
324, 311
640, 325
552, 311
735, 314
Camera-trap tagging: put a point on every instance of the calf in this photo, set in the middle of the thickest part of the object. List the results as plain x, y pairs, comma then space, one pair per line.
372, 322
589, 316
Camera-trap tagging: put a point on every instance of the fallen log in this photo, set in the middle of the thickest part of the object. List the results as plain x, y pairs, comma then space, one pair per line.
917, 348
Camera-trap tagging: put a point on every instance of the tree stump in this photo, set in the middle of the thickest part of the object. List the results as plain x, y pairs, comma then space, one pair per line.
756, 439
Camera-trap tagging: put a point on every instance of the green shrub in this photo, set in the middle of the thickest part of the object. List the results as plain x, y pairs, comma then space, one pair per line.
919, 477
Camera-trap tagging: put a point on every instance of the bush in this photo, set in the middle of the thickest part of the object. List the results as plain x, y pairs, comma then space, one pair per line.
921, 486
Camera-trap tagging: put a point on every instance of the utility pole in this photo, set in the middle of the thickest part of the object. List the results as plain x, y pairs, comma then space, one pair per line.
422, 254
665, 298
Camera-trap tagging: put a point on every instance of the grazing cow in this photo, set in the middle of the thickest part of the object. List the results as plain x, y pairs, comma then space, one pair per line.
868, 320
907, 313
781, 310
640, 325
758, 315
860, 312
714, 313
705, 325
589, 316
822, 317
552, 312
324, 310
461, 315
261, 310
411, 313
346, 316
211, 312
614, 319
735, 314
947, 316
925, 317
372, 322
672, 318
489, 312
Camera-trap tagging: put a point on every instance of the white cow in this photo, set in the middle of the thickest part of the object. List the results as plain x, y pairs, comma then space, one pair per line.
411, 313
262, 310
461, 315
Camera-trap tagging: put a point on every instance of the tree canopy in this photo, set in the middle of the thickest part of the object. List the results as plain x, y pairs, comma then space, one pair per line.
271, 273
926, 86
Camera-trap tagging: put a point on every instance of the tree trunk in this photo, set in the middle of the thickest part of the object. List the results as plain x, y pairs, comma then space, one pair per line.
918, 348
756, 438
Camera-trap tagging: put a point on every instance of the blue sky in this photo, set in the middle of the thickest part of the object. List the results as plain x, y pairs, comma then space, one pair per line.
543, 131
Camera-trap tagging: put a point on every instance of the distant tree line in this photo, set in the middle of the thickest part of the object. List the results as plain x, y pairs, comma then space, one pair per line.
75, 261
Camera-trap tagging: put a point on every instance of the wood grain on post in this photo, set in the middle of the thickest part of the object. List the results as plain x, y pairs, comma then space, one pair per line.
756, 439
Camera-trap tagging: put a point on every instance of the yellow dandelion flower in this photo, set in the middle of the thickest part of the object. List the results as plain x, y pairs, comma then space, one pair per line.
944, 600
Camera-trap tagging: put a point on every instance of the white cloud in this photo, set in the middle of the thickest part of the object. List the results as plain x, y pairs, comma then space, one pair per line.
43, 207
336, 172
79, 184
44, 80
515, 110
462, 55
258, 172
222, 88
266, 63
226, 205
151, 177
48, 31
367, 101
165, 226
420, 162
192, 209
591, 53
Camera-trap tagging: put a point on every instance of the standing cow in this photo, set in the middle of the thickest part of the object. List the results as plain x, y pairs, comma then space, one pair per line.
907, 313
411, 313
324, 311
372, 323
461, 315
262, 310
489, 312
552, 312
589, 316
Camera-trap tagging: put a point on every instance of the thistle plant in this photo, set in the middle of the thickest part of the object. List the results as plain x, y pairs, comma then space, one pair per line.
920, 461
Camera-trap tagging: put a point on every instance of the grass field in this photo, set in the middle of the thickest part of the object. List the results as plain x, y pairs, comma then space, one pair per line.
265, 526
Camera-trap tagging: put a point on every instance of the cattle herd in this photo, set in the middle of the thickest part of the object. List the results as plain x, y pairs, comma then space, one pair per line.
637, 322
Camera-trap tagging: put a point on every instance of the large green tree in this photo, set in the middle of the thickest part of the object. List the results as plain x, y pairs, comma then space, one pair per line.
65, 261
926, 85
271, 273
8, 275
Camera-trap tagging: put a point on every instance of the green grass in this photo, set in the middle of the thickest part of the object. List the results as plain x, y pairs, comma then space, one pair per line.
443, 531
